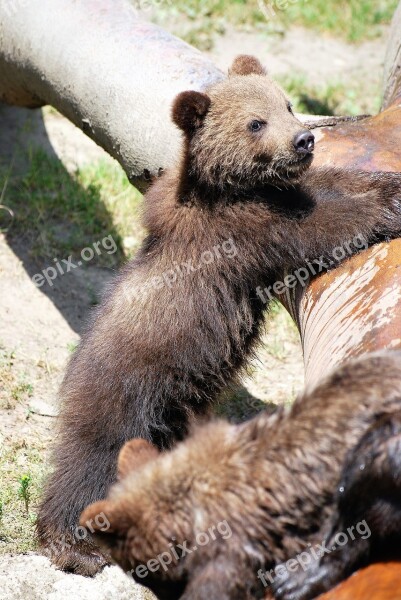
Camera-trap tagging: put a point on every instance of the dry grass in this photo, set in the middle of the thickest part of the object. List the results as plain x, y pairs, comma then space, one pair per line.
14, 386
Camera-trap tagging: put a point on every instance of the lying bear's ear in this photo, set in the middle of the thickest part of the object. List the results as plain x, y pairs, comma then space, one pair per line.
102, 517
134, 455
245, 64
189, 110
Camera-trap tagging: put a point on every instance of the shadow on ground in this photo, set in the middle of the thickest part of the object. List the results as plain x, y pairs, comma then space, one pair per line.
23, 133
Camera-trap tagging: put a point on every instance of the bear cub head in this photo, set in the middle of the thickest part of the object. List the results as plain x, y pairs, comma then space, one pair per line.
167, 525
242, 134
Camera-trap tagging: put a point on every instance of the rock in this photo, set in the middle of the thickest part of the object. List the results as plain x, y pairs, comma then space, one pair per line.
39, 407
33, 577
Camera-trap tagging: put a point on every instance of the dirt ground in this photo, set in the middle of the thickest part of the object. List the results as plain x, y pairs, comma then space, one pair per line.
320, 59
40, 326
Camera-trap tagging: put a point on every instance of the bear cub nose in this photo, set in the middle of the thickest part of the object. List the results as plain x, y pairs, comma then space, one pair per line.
304, 142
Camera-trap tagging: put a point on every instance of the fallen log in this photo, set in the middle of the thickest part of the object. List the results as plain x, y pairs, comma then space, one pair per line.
376, 582
107, 70
355, 308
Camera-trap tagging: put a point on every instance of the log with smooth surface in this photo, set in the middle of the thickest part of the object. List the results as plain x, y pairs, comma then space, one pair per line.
104, 68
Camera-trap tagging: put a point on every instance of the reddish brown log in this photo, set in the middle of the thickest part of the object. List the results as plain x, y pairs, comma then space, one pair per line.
355, 308
377, 582
381, 581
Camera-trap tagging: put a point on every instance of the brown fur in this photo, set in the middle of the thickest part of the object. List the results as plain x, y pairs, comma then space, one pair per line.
247, 65
272, 479
154, 356
369, 490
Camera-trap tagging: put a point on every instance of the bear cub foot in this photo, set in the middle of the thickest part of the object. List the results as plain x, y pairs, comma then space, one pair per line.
81, 557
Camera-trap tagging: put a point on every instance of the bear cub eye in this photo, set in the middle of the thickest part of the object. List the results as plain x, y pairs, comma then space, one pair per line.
289, 106
256, 126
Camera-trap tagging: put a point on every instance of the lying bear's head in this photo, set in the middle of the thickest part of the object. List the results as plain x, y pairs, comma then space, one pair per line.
169, 523
242, 133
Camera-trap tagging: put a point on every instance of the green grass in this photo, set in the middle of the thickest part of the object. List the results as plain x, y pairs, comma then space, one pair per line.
56, 213
62, 213
22, 472
198, 21
355, 20
333, 99
22, 463
14, 386
25, 490
238, 405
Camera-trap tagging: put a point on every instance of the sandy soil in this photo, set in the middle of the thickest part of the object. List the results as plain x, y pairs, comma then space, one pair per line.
321, 59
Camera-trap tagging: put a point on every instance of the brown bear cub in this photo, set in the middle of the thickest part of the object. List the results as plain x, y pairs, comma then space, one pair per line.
182, 319
236, 508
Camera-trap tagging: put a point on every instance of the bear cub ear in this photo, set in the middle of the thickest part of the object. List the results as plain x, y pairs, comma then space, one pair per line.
134, 455
189, 110
245, 64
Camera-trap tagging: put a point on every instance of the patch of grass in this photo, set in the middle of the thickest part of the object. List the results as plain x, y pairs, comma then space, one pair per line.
59, 214
72, 346
199, 21
122, 201
238, 405
355, 20
13, 386
63, 213
24, 490
22, 472
333, 99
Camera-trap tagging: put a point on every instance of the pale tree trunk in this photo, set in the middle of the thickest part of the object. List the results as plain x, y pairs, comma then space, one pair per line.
108, 71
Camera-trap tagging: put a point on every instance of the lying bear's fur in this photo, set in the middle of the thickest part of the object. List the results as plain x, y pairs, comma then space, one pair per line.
273, 480
369, 490
157, 353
